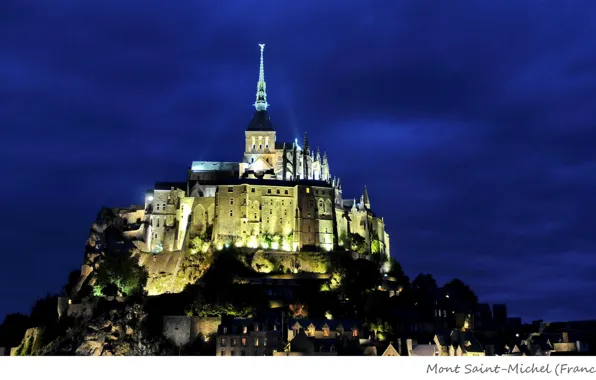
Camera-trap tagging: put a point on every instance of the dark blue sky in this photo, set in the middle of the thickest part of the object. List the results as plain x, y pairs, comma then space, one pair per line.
471, 122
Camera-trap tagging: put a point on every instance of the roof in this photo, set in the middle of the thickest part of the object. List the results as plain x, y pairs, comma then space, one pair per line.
260, 122
211, 166
280, 145
333, 324
168, 185
424, 350
273, 182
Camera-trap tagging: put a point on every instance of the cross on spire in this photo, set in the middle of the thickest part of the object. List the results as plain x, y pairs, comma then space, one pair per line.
261, 102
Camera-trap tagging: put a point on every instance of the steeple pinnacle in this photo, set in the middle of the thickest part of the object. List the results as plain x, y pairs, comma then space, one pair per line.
261, 102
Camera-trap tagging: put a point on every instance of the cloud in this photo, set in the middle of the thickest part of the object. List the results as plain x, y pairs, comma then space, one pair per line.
471, 124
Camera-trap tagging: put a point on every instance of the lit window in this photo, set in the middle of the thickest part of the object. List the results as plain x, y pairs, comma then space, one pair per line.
223, 342
256, 342
326, 332
308, 190
234, 341
355, 333
264, 342
244, 330
243, 342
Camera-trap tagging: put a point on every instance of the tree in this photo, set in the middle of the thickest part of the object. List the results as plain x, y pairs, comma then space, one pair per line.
460, 293
298, 310
44, 312
120, 273
73, 279
358, 244
13, 329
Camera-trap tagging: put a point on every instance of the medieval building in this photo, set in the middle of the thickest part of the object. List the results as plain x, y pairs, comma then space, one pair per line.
279, 196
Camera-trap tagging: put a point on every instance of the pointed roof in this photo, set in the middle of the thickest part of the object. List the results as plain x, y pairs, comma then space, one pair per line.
260, 122
365, 197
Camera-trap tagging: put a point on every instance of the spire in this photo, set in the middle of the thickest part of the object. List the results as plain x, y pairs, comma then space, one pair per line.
365, 198
318, 154
306, 142
261, 102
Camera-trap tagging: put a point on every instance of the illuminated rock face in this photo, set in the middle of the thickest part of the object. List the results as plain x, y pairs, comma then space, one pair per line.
279, 196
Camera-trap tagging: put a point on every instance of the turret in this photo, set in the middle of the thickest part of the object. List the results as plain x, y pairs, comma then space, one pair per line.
365, 198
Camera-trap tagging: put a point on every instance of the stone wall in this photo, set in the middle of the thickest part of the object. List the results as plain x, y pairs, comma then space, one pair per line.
177, 329
204, 326
183, 330
63, 304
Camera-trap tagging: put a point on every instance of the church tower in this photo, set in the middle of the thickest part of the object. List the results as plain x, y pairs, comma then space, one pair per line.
259, 151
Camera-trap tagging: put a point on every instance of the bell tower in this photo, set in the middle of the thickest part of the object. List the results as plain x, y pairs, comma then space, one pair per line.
259, 151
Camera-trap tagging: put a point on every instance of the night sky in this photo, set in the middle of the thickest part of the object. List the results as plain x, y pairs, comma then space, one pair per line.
472, 123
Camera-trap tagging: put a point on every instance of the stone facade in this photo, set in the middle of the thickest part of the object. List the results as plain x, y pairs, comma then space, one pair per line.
280, 195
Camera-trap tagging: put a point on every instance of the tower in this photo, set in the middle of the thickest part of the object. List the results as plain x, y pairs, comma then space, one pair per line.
259, 151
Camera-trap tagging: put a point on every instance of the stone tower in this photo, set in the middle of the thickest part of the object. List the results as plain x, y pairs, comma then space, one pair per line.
259, 151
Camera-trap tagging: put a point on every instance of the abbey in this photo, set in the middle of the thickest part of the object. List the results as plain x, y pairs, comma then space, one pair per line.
279, 196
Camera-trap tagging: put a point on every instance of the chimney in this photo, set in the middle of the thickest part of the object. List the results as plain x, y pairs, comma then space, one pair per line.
409, 345
398, 347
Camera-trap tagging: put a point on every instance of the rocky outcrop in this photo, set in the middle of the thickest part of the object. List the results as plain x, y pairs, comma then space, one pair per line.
120, 331
31, 342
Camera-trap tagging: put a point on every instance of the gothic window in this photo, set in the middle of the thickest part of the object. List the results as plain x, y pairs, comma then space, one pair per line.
231, 213
230, 189
271, 211
157, 222
254, 146
286, 192
252, 190
231, 201
308, 228
268, 191
277, 191
157, 207
260, 146
255, 216
252, 160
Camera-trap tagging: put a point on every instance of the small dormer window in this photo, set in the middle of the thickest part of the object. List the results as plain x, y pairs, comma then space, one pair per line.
225, 330
244, 329
355, 332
